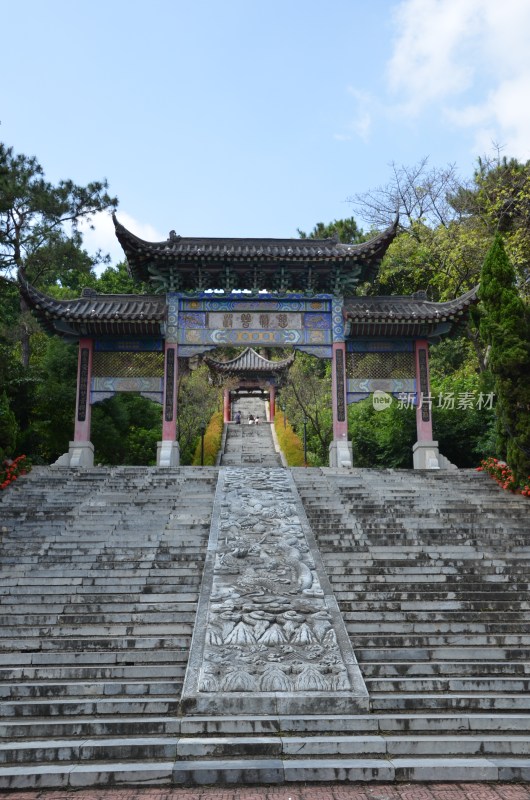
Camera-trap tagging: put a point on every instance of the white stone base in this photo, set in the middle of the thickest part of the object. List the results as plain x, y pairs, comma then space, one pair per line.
427, 456
167, 454
80, 454
340, 453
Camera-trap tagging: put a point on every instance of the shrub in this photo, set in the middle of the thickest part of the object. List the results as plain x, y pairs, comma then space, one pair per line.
212, 442
505, 476
289, 442
11, 470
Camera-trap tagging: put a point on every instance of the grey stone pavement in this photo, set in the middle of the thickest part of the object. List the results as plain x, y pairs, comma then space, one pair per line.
324, 791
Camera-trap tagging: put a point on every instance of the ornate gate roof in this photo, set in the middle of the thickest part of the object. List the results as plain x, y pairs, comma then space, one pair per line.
305, 265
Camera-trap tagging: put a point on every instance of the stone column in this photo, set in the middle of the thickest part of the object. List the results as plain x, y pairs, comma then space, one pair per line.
272, 402
339, 449
83, 407
81, 450
226, 406
425, 451
168, 448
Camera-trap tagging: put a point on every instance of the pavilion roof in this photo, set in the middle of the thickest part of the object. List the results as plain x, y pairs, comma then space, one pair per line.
409, 315
250, 362
97, 314
197, 263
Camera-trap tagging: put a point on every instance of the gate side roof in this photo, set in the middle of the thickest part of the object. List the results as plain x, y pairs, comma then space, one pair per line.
97, 314
409, 315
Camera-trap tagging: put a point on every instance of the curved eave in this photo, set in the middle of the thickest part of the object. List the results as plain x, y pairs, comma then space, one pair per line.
407, 315
187, 253
131, 315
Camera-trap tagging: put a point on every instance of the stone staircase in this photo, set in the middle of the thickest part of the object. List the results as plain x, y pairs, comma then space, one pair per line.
100, 573
100, 577
250, 446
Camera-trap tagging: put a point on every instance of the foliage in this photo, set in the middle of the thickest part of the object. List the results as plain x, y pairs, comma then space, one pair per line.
11, 470
381, 438
504, 476
505, 328
463, 422
39, 228
498, 201
8, 427
117, 280
34, 212
212, 442
125, 430
347, 231
141, 444
49, 424
197, 402
290, 444
307, 392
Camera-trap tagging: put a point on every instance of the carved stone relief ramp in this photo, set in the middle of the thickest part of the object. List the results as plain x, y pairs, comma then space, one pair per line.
269, 637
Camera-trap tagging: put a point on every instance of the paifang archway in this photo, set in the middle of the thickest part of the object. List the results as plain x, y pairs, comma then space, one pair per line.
209, 292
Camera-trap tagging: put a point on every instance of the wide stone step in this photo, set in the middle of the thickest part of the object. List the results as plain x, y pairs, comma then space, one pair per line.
455, 653
96, 689
68, 674
424, 640
58, 751
440, 702
154, 705
88, 727
444, 668
241, 771
70, 658
98, 642
506, 684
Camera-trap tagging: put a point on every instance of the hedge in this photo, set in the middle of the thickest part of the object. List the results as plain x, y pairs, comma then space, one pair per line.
212, 442
289, 442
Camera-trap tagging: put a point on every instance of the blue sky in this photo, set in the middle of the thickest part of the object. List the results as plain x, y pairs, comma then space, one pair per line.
244, 118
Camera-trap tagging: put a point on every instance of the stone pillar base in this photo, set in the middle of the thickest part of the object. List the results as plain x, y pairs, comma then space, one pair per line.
167, 454
340, 453
80, 454
427, 456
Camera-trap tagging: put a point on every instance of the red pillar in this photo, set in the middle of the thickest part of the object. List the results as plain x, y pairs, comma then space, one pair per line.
169, 424
338, 391
272, 402
423, 391
226, 405
83, 407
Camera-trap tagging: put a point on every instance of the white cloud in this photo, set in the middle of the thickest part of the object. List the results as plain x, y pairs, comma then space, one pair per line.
103, 236
361, 124
471, 57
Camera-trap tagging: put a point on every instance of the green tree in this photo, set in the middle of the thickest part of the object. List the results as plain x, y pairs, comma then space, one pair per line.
8, 428
125, 430
347, 231
198, 400
307, 393
34, 215
381, 438
505, 329
117, 280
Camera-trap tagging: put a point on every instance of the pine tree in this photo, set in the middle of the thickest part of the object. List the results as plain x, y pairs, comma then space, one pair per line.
505, 330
